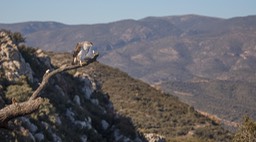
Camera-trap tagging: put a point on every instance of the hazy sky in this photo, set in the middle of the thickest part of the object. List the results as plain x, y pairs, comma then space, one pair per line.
96, 11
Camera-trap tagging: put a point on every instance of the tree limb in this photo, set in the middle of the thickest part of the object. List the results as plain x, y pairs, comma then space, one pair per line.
15, 110
47, 76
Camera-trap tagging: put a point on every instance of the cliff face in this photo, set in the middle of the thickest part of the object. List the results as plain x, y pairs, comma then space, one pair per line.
13, 64
74, 109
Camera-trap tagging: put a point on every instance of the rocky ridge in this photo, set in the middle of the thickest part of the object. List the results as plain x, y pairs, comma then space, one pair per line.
13, 64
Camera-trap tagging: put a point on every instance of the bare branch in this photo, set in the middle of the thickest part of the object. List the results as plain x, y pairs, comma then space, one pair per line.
61, 69
18, 109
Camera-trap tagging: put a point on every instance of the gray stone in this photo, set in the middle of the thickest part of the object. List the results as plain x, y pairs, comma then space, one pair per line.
39, 137
104, 124
77, 100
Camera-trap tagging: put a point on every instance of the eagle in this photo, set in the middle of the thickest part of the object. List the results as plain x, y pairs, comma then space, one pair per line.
81, 50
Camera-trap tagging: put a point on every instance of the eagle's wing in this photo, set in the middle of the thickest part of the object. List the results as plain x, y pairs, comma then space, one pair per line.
77, 49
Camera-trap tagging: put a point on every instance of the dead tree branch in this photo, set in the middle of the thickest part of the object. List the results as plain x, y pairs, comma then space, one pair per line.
15, 110
61, 69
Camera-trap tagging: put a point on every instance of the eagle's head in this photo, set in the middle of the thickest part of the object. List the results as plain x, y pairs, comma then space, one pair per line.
88, 43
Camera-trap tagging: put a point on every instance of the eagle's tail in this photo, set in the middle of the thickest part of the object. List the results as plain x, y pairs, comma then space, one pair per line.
74, 61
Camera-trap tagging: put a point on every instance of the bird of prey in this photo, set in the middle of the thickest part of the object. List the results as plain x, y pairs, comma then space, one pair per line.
81, 50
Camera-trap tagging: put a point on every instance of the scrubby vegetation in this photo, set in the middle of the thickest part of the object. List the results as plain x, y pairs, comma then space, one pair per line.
20, 91
233, 95
246, 132
156, 112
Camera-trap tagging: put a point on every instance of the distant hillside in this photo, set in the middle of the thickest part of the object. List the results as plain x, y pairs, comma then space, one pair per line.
171, 50
230, 100
156, 49
150, 110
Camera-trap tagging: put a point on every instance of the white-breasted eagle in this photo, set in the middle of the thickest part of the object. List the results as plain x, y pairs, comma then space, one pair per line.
81, 51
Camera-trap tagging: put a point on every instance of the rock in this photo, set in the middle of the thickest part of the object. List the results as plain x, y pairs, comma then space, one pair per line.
56, 138
95, 101
59, 89
89, 85
127, 140
30, 126
83, 138
70, 115
77, 100
43, 58
117, 135
58, 121
45, 125
151, 137
30, 137
27, 134
39, 137
104, 124
89, 119
12, 62
82, 124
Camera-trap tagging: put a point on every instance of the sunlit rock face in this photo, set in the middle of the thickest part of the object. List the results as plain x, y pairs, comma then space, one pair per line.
12, 63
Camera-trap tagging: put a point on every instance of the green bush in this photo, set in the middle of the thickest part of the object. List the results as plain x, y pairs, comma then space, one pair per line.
20, 91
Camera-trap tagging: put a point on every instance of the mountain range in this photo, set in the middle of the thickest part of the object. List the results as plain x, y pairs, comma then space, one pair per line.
207, 62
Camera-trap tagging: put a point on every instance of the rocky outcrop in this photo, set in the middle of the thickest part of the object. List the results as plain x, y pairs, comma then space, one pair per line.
12, 64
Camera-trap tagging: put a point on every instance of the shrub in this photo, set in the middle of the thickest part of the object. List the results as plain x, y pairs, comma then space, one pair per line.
20, 91
247, 131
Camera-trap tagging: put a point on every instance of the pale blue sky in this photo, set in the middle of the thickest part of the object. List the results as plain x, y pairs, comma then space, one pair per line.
96, 11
